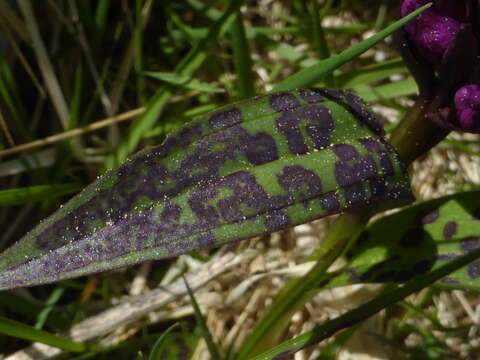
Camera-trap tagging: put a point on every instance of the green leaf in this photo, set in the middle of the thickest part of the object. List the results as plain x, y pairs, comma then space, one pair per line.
183, 81
160, 345
246, 169
420, 239
207, 336
363, 312
314, 74
22, 331
36, 193
370, 73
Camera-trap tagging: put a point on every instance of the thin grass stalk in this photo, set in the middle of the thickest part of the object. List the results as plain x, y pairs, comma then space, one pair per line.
138, 46
48, 74
241, 59
320, 42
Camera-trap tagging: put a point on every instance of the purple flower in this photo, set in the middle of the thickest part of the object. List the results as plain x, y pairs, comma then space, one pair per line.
436, 29
467, 104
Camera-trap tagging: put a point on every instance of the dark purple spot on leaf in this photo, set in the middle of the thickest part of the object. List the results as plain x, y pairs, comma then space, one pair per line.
378, 188
284, 101
277, 220
299, 183
261, 149
431, 217
345, 152
330, 202
371, 145
315, 120
205, 240
355, 194
446, 257
248, 197
226, 118
474, 270
450, 229
448, 280
356, 106
469, 244
311, 96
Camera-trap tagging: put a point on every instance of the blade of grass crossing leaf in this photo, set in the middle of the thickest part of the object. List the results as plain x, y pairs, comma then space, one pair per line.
51, 301
30, 309
44, 63
101, 16
138, 59
366, 310
158, 347
319, 37
388, 91
316, 73
212, 348
186, 82
371, 73
241, 59
36, 193
19, 330
187, 66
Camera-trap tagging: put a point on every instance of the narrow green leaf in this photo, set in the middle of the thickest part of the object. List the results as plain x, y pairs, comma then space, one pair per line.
241, 59
404, 87
207, 336
22, 331
246, 169
371, 73
159, 346
183, 81
312, 75
36, 193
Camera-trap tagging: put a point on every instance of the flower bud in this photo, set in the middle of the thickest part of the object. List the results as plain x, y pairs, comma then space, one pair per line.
432, 32
467, 104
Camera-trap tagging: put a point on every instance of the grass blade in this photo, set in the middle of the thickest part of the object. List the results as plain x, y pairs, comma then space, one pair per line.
22, 331
212, 348
317, 72
36, 193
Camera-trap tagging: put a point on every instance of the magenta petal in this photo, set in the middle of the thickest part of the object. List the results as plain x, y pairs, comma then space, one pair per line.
469, 120
468, 96
467, 103
434, 34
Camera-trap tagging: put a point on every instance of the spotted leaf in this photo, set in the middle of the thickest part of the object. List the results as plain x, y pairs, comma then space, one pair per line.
249, 168
419, 239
